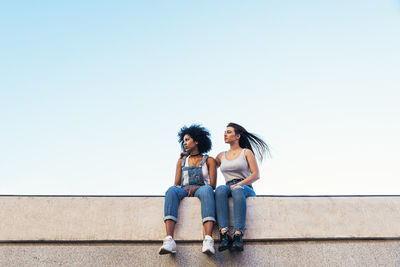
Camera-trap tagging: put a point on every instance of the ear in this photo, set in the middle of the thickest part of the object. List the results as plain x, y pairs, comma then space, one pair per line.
196, 142
238, 136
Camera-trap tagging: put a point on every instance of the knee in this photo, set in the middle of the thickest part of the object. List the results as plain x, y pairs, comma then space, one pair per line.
237, 193
221, 191
171, 190
206, 190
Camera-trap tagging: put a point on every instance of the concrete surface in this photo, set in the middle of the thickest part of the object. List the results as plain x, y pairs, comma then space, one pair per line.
285, 254
319, 231
140, 218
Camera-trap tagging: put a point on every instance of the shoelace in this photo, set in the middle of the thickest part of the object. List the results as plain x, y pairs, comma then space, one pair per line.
209, 241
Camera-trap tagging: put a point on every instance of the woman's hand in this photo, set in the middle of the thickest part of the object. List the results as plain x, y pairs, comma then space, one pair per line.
191, 190
183, 154
235, 185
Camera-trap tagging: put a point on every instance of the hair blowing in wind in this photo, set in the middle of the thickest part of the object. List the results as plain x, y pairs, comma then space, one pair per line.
251, 141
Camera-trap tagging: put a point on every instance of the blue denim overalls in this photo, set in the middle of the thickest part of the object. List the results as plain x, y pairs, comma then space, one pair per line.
192, 176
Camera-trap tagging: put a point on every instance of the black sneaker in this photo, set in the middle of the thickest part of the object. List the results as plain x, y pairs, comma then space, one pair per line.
237, 243
226, 241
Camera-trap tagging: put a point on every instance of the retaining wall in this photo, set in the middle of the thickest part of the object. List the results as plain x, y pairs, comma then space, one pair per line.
128, 230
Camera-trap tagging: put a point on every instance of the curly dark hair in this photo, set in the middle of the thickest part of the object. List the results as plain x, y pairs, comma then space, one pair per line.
199, 134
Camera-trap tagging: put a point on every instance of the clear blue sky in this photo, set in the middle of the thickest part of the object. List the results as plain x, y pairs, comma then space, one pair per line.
93, 93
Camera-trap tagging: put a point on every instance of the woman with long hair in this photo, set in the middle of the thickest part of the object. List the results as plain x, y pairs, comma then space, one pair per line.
240, 170
195, 175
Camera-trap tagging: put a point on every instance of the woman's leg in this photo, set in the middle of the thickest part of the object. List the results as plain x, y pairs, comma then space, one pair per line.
221, 199
170, 227
173, 196
222, 206
239, 195
206, 195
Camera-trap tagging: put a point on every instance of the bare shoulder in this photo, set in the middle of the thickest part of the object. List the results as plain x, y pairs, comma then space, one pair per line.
249, 155
219, 156
210, 159
248, 152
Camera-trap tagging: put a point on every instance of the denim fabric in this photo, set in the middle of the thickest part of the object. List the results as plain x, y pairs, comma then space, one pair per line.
222, 193
192, 175
174, 195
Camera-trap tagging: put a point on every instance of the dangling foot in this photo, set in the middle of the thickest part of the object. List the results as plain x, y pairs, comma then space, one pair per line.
226, 241
208, 245
169, 246
237, 243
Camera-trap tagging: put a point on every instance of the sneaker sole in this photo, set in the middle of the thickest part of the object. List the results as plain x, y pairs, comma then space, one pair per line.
236, 249
208, 252
223, 248
164, 251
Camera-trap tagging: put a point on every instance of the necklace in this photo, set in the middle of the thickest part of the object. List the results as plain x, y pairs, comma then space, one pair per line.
194, 155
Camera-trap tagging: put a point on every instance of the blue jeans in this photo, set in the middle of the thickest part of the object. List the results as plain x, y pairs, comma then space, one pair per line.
174, 195
239, 206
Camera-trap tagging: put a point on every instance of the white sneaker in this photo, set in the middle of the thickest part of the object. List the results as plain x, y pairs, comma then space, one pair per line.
208, 245
169, 246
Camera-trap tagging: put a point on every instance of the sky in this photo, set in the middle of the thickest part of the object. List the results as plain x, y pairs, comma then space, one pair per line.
93, 93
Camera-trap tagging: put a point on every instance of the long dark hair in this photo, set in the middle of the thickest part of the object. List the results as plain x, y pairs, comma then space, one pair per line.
199, 134
251, 141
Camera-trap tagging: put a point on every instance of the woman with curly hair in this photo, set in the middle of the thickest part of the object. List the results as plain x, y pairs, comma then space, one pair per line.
240, 170
195, 176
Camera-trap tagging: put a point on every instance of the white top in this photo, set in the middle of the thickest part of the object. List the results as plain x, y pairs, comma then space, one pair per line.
235, 169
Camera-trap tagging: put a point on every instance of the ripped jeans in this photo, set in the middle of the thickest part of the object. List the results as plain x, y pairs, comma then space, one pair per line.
239, 195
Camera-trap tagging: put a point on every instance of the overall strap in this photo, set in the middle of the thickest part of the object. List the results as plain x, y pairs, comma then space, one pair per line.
205, 157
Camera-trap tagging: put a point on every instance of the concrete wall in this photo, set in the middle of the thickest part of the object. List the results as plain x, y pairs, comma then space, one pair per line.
127, 231
140, 218
277, 253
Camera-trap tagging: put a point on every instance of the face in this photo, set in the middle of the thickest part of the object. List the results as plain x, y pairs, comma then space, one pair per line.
188, 143
230, 136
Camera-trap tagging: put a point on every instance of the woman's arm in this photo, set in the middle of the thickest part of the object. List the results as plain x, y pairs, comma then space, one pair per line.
178, 173
254, 172
212, 171
218, 159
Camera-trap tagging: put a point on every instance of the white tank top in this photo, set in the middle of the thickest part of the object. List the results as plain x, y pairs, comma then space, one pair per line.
235, 169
